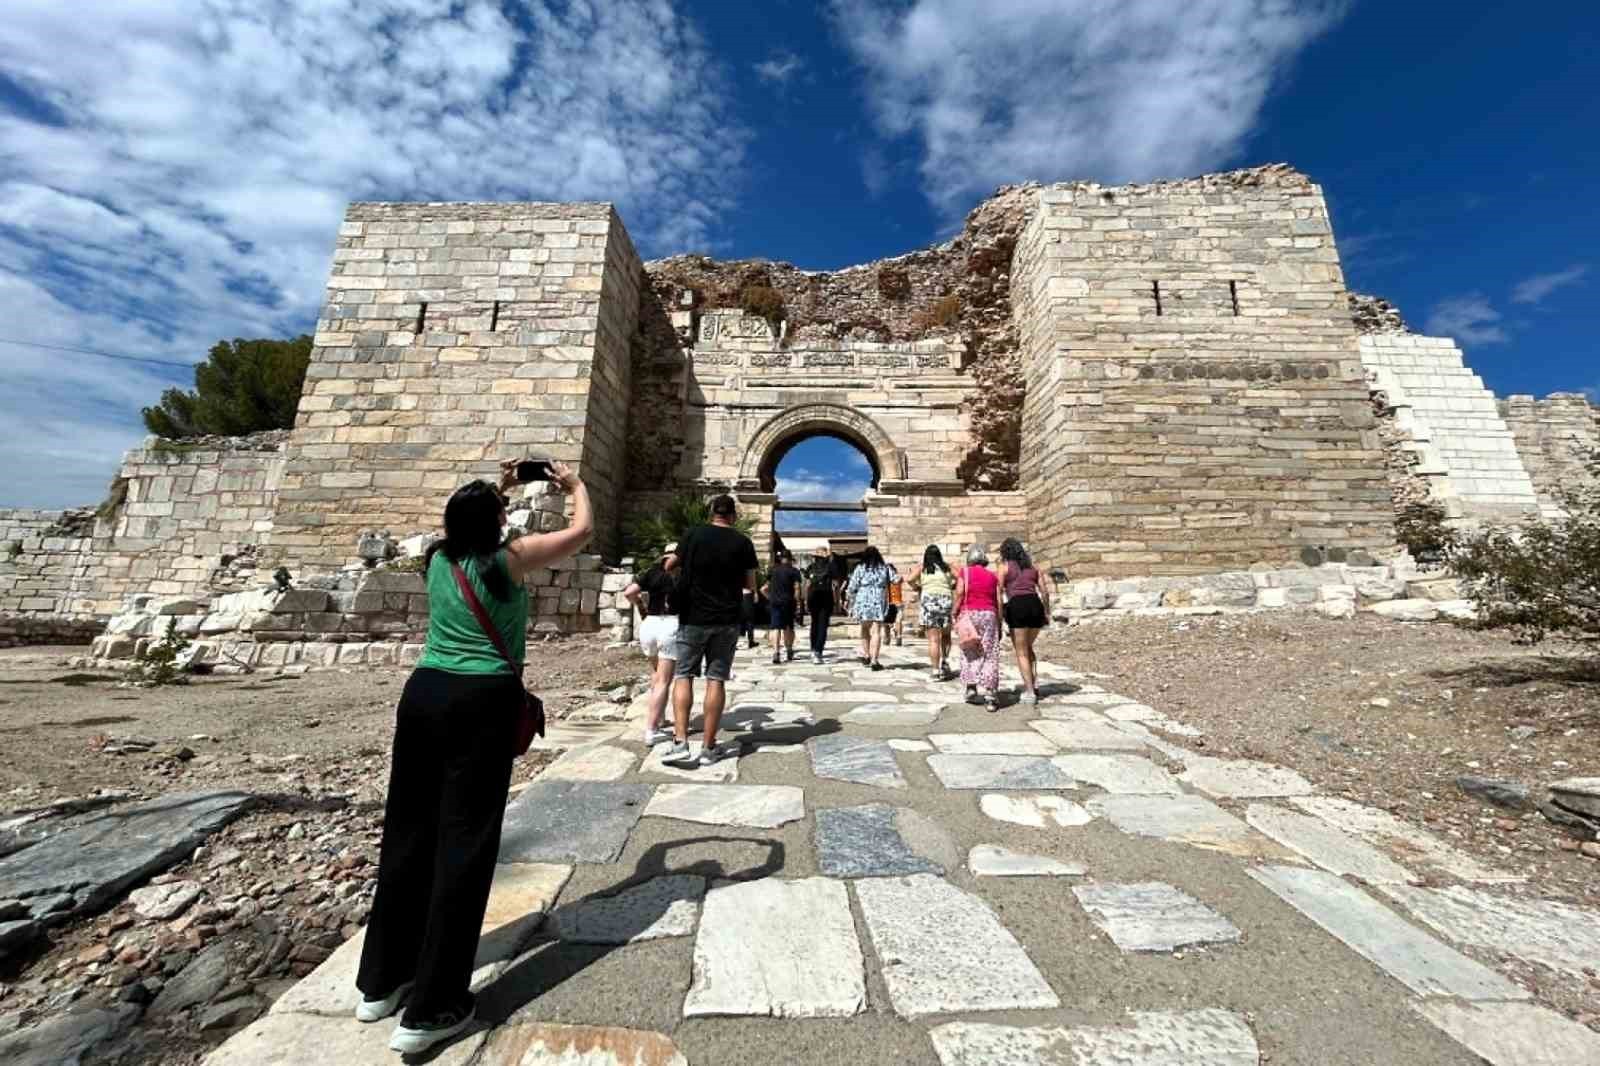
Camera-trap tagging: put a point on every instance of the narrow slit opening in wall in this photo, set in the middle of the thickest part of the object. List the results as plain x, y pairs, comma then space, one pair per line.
1233, 294
1155, 290
422, 315
494, 317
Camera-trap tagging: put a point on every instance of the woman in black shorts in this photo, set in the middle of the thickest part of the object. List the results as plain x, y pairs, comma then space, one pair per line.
1026, 595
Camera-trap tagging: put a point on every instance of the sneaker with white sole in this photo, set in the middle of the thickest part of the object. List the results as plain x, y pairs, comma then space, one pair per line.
415, 1038
376, 1010
711, 756
652, 737
1030, 697
678, 754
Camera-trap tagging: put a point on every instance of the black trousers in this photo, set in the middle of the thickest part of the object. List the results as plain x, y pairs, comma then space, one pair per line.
441, 837
821, 610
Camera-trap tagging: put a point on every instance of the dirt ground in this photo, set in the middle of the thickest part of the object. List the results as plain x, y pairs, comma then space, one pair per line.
1385, 713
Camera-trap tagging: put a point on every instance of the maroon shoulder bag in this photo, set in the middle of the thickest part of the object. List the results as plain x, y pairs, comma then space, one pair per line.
530, 723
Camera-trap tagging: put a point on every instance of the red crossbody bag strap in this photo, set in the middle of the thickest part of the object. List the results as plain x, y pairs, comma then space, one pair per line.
483, 618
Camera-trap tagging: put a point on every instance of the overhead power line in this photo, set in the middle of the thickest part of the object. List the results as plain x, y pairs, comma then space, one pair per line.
102, 355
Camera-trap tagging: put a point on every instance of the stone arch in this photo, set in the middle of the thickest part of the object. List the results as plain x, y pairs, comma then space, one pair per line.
788, 428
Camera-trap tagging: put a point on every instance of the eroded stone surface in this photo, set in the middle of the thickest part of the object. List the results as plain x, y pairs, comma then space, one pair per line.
1035, 811
545, 1044
659, 907
1558, 935
599, 762
944, 950
1514, 1034
164, 901
571, 821
856, 759
1127, 774
1233, 778
723, 772
1152, 916
1154, 1038
1185, 819
1326, 846
992, 860
1018, 743
1084, 735
997, 771
892, 715
865, 842
65, 1038
753, 806
296, 1039
1382, 829
1407, 954
748, 960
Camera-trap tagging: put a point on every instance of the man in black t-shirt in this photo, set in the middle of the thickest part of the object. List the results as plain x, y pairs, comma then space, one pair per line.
719, 566
783, 597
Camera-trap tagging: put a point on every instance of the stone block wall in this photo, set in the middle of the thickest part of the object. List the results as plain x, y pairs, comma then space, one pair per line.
1554, 437
1195, 396
46, 595
1465, 448
455, 335
902, 526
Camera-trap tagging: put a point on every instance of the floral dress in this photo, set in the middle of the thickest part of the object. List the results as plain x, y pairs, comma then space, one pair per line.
869, 593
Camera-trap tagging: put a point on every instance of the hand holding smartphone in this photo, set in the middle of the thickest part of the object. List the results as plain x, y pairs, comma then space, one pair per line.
529, 470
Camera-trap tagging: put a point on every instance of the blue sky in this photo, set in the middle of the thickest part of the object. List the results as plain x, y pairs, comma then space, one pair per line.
172, 171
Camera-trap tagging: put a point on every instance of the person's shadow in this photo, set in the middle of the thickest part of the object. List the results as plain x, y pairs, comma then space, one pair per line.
761, 725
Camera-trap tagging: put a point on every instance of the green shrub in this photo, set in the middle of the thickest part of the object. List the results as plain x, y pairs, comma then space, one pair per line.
645, 535
159, 664
763, 301
1420, 527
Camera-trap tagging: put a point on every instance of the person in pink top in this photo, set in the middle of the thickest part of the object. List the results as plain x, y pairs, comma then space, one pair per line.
1026, 595
978, 601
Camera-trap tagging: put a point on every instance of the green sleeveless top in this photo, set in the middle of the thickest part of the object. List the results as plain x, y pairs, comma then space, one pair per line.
456, 643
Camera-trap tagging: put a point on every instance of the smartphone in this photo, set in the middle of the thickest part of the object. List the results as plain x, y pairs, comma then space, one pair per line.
533, 470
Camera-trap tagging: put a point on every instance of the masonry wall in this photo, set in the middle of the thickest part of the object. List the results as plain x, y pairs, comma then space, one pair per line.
45, 589
903, 526
1226, 425
1554, 437
455, 335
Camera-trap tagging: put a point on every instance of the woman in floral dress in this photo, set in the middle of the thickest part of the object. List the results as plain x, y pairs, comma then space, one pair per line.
867, 597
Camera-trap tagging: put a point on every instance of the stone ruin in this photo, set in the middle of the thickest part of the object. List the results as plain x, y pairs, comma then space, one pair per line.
1165, 389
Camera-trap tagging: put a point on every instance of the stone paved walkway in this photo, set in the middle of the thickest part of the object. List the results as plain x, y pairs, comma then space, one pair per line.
887, 875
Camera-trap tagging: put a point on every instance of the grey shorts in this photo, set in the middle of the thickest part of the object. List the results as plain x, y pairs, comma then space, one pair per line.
714, 644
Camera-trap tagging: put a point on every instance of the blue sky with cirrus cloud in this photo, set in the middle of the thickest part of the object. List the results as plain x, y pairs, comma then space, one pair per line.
172, 172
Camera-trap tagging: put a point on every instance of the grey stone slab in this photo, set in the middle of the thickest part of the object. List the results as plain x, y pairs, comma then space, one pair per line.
1185, 820
784, 949
299, 1039
754, 716
892, 715
1326, 846
1152, 916
1384, 830
1376, 933
1017, 743
856, 759
865, 842
597, 762
1557, 935
571, 821
751, 806
85, 867
992, 860
943, 950
725, 771
660, 907
1239, 778
1581, 794
1085, 735
1514, 1034
66, 1039
851, 695
1127, 774
1207, 1037
910, 745
998, 771
1034, 811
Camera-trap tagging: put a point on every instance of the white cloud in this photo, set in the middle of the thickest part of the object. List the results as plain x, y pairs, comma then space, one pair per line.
201, 152
1536, 288
779, 67
1469, 319
1114, 90
814, 488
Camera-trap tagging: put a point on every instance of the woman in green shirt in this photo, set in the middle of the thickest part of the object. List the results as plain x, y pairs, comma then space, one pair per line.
451, 768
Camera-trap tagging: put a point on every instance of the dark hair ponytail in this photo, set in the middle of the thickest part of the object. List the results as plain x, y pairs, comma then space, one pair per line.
472, 530
933, 560
1012, 551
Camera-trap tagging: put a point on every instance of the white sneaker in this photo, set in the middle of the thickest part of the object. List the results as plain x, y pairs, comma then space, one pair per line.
414, 1041
375, 1010
1030, 697
652, 737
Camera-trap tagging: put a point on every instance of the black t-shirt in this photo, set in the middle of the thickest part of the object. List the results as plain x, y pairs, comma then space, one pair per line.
660, 589
782, 584
714, 560
820, 575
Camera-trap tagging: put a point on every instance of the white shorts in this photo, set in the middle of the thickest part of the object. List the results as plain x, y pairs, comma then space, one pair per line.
658, 636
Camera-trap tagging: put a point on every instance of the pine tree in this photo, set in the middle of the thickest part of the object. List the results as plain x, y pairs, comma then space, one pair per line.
244, 386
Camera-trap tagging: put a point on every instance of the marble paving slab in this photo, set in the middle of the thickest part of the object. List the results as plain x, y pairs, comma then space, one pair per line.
852, 695
1208, 1037
1017, 743
992, 860
1557, 935
856, 759
749, 806
723, 772
660, 907
571, 821
598, 762
1152, 916
998, 772
943, 950
1242, 778
891, 715
749, 960
904, 744
1083, 735
1185, 820
1127, 774
1326, 846
1415, 846
865, 841
1514, 1034
1034, 811
1374, 932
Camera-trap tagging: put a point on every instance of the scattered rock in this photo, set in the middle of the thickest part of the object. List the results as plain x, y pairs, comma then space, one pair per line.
231, 1014
163, 902
197, 983
1511, 796
1580, 795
